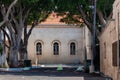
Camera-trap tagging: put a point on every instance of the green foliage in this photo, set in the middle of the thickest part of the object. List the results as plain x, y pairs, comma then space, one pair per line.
105, 6
34, 15
71, 19
62, 6
6, 2
39, 11
71, 6
29, 3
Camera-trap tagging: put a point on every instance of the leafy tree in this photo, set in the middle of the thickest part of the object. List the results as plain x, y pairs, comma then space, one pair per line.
5, 10
75, 11
36, 15
23, 13
33, 11
84, 10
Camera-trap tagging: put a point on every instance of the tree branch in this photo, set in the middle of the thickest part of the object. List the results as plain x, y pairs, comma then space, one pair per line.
26, 15
6, 35
8, 12
10, 7
110, 16
89, 25
12, 35
33, 25
20, 17
101, 17
13, 18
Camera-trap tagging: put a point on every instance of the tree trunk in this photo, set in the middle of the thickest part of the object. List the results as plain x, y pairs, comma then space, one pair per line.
23, 49
13, 58
14, 48
23, 53
24, 43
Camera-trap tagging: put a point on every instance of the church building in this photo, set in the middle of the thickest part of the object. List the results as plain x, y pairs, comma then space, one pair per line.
54, 42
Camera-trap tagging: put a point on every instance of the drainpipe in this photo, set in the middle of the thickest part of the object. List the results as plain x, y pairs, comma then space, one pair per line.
84, 45
118, 64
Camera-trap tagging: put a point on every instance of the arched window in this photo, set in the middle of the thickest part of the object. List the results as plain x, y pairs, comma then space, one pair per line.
72, 48
56, 48
38, 48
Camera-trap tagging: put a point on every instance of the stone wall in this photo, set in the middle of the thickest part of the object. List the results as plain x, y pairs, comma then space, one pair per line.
107, 38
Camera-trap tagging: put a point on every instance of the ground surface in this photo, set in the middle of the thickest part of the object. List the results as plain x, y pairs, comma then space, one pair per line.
49, 74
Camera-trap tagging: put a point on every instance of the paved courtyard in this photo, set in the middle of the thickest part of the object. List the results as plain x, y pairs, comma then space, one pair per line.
49, 74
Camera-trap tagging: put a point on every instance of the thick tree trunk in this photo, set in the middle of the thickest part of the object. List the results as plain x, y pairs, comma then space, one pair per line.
23, 49
24, 43
23, 53
13, 58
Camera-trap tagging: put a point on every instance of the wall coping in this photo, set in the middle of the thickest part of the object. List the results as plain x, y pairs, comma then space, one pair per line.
56, 26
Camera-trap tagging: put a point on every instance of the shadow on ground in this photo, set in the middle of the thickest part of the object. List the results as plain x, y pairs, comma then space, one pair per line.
51, 72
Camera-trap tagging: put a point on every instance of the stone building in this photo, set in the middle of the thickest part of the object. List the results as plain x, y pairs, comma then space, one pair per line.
109, 45
53, 42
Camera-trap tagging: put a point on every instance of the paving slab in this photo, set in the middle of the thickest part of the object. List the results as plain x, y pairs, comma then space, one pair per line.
49, 74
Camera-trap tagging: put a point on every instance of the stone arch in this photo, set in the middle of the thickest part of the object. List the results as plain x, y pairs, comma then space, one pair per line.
58, 46
73, 41
38, 41
55, 42
41, 47
76, 45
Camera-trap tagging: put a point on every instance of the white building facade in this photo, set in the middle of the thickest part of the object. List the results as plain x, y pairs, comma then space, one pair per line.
56, 44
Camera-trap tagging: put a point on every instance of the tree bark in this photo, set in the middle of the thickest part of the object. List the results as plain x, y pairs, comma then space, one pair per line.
83, 15
24, 43
101, 17
5, 17
14, 49
23, 50
13, 57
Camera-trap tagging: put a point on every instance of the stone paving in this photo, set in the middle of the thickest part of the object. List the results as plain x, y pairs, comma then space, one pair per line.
48, 74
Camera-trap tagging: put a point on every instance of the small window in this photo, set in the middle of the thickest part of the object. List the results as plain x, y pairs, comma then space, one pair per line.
56, 48
38, 48
72, 48
114, 53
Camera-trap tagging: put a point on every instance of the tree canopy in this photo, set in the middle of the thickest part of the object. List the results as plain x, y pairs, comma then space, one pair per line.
84, 8
26, 12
